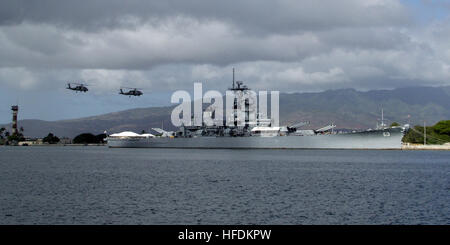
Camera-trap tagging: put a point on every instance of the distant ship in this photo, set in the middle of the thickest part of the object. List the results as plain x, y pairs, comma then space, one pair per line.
262, 135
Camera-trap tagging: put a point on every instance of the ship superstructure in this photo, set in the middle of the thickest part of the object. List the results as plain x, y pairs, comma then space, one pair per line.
255, 130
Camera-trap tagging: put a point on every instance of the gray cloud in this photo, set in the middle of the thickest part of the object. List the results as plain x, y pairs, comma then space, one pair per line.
261, 15
167, 45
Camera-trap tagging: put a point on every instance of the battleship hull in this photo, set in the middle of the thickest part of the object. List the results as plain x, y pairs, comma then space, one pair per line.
375, 139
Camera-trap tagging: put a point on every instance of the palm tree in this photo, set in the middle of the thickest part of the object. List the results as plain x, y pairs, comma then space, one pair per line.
21, 137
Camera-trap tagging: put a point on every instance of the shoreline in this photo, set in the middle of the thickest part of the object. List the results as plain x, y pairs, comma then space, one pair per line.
414, 147
406, 147
57, 145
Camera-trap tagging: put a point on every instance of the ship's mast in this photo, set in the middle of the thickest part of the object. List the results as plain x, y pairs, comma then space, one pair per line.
238, 91
382, 125
233, 77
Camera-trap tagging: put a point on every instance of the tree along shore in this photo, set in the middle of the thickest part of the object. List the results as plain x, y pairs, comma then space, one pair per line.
437, 134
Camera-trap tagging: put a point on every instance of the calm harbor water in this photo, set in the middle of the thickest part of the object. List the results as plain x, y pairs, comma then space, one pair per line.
98, 185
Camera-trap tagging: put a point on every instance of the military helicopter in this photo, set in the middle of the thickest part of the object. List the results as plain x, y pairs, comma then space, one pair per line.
131, 92
78, 88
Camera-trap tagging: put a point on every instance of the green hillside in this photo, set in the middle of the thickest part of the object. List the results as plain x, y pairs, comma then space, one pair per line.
346, 108
437, 134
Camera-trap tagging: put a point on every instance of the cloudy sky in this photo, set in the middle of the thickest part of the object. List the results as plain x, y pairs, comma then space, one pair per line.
163, 46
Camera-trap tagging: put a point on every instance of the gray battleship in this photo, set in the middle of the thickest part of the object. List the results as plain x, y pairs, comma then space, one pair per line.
262, 135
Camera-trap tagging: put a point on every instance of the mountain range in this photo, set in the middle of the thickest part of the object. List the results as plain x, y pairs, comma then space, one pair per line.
347, 108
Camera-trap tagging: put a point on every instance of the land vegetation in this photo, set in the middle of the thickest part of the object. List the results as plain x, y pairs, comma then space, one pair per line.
437, 134
50, 139
88, 138
6, 137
